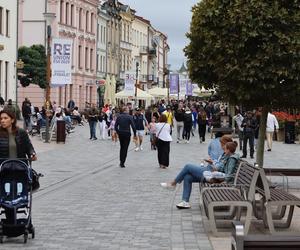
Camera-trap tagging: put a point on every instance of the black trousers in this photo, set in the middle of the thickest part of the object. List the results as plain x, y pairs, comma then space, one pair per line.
124, 144
163, 152
250, 137
202, 130
187, 131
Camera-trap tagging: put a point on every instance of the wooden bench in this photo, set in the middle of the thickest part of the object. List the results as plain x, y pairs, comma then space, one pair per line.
240, 194
278, 198
240, 241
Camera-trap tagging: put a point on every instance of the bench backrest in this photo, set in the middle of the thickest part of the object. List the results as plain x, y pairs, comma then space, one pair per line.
247, 176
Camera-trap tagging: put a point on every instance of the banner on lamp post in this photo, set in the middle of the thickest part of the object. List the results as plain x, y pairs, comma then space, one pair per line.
189, 88
174, 84
129, 83
61, 62
182, 86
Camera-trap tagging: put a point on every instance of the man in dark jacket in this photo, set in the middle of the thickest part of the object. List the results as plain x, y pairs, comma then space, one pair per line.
248, 125
122, 127
179, 117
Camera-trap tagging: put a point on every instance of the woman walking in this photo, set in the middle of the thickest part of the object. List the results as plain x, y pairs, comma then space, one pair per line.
202, 124
163, 134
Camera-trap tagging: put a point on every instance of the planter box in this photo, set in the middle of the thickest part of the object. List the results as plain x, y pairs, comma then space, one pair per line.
280, 135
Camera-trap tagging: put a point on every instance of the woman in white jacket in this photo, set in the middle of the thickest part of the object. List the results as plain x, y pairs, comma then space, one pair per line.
163, 134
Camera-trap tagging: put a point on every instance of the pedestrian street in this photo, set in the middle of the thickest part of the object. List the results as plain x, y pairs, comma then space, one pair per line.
86, 201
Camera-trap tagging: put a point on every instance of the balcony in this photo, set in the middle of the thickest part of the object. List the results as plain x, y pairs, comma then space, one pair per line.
150, 78
152, 52
125, 45
144, 50
143, 78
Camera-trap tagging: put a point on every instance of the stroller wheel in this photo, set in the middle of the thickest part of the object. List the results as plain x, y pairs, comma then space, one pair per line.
33, 233
1, 239
25, 236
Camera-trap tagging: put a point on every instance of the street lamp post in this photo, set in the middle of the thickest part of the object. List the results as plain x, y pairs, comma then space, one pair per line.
136, 82
49, 17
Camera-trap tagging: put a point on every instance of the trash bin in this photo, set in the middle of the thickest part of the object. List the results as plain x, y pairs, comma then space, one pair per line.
61, 132
289, 132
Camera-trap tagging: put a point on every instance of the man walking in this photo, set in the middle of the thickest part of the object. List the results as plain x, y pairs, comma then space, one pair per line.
122, 127
272, 125
139, 122
248, 125
179, 117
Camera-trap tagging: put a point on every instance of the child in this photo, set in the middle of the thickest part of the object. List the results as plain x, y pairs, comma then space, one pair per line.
152, 131
114, 135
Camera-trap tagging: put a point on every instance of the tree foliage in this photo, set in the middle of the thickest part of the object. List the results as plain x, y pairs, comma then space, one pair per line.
35, 63
248, 50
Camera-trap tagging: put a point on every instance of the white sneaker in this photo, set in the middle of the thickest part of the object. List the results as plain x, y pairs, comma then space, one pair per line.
183, 205
141, 148
187, 142
136, 149
167, 186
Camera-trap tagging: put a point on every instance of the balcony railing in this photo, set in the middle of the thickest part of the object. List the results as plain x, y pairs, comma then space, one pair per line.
150, 78
144, 50
143, 78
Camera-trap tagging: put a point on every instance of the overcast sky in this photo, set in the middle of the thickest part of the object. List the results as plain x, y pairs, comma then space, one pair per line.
172, 17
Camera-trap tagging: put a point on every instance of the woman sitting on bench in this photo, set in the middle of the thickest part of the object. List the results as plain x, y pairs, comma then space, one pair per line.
191, 173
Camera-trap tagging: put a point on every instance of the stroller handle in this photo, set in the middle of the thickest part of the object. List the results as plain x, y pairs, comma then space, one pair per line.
18, 159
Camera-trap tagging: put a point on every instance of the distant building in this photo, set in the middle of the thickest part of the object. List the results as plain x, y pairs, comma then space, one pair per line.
8, 49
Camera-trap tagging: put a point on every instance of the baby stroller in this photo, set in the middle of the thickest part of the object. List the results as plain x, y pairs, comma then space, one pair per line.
16, 199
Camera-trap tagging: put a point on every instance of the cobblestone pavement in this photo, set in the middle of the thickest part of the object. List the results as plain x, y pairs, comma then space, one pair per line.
87, 202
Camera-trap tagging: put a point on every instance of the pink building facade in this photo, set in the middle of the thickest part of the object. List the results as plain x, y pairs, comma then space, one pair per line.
75, 20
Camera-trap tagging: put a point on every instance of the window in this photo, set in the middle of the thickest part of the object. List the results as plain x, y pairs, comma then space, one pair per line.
101, 34
71, 91
0, 77
92, 22
98, 32
79, 56
1, 20
104, 35
72, 15
97, 62
67, 13
7, 23
6, 80
91, 59
104, 64
86, 57
87, 21
61, 11
80, 18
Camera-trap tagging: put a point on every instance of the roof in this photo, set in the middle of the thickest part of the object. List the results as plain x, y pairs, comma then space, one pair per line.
182, 69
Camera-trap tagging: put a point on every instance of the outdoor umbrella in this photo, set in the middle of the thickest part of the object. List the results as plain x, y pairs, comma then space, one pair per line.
113, 90
107, 95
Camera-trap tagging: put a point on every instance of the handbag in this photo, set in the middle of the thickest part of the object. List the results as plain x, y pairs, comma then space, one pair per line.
155, 137
35, 180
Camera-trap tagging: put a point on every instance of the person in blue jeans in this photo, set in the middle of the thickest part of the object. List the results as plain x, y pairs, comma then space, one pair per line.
193, 173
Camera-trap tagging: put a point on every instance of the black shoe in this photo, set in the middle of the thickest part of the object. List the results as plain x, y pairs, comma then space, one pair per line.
244, 156
122, 166
251, 157
269, 149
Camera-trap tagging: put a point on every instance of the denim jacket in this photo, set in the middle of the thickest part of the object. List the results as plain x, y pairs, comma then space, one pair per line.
229, 167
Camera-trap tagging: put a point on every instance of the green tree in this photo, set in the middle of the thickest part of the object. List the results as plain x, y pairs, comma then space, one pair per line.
35, 63
249, 51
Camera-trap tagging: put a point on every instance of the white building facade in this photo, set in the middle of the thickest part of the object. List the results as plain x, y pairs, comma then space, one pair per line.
8, 48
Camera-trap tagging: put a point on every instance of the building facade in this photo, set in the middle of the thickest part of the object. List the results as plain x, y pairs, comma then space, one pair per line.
75, 20
127, 17
8, 49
